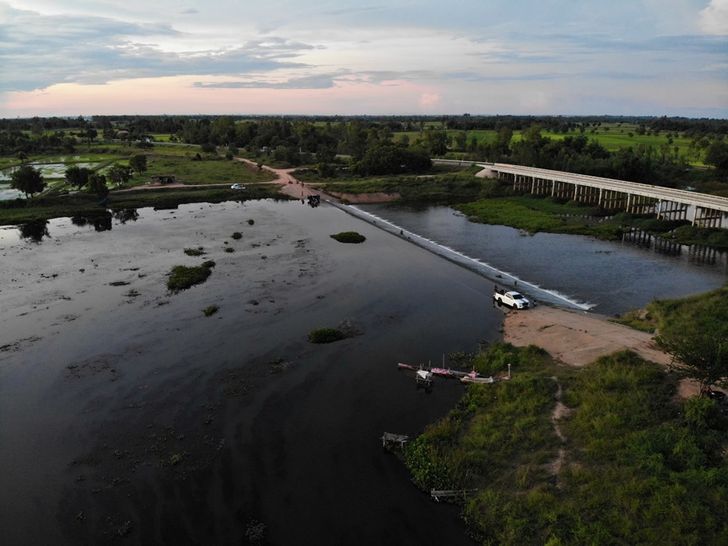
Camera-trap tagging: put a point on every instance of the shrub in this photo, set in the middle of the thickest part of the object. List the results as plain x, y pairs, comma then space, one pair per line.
237, 235
349, 237
199, 251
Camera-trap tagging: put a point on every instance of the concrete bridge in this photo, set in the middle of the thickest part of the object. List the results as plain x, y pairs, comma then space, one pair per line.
700, 209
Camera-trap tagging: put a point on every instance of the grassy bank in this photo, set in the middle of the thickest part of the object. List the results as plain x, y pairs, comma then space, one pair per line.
637, 466
439, 186
662, 314
44, 208
535, 214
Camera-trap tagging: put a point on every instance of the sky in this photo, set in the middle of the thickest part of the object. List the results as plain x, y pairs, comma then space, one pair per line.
570, 57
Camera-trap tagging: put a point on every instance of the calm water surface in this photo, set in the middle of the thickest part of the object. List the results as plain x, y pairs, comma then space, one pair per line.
125, 411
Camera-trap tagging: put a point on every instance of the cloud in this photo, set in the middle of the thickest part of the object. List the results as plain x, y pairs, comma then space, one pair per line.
315, 81
41, 50
713, 19
429, 101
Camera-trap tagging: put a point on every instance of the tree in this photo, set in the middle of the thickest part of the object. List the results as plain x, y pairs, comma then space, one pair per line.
97, 185
77, 176
90, 134
119, 174
28, 180
698, 339
436, 142
138, 163
717, 155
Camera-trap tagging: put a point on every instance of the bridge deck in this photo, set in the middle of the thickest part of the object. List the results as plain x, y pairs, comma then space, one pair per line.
646, 190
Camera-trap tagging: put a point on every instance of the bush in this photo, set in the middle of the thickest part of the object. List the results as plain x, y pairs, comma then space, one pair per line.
229, 249
326, 335
349, 237
237, 235
199, 251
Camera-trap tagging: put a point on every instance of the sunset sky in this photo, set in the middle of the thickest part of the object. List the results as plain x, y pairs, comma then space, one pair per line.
652, 57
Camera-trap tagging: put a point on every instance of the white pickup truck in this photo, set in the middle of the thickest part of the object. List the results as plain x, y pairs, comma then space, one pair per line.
511, 299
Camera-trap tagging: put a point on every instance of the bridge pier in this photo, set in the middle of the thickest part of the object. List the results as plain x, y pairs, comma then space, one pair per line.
670, 210
614, 200
706, 217
640, 204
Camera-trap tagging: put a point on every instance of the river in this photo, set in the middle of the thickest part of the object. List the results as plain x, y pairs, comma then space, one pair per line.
126, 413
609, 277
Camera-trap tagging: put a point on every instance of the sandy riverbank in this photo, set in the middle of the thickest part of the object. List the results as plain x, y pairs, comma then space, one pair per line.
577, 338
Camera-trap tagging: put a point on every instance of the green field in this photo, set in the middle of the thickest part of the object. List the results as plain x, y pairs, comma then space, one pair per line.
207, 171
612, 136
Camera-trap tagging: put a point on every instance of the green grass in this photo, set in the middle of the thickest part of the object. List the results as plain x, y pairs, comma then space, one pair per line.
207, 171
638, 319
438, 187
535, 214
183, 277
351, 237
639, 467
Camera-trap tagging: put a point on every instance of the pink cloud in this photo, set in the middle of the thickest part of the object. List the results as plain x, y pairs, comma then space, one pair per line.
178, 95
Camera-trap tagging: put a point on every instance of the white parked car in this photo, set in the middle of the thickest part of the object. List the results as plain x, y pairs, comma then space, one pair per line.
511, 299
237, 187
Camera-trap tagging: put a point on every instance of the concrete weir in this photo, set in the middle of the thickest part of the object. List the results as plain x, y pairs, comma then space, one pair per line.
483, 269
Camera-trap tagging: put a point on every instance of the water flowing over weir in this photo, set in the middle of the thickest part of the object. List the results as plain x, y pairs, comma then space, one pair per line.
483, 269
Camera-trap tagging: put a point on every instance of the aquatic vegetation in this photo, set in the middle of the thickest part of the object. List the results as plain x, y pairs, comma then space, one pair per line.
182, 277
349, 237
326, 335
210, 310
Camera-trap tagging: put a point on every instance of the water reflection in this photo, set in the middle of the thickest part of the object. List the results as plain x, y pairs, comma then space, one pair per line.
34, 231
100, 222
697, 254
126, 215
